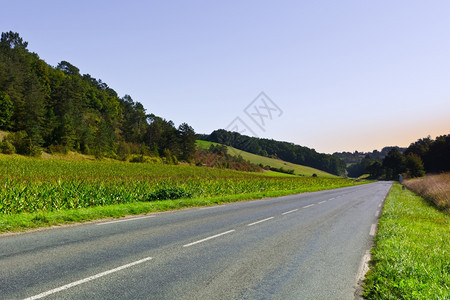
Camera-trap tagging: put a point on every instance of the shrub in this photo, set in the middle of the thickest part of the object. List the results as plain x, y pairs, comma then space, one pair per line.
7, 148
169, 193
144, 159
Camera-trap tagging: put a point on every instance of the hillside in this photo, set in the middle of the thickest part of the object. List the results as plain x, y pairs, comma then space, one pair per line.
58, 109
267, 161
286, 151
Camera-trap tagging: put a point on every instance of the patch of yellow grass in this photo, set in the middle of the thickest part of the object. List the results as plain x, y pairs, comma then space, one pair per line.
2, 135
435, 188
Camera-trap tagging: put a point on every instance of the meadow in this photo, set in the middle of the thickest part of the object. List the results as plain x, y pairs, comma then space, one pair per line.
41, 186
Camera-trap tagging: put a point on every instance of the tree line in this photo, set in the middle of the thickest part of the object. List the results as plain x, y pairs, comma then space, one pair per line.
283, 150
57, 109
356, 157
423, 156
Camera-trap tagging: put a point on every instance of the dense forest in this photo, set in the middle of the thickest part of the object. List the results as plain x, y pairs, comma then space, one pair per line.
283, 150
423, 156
57, 109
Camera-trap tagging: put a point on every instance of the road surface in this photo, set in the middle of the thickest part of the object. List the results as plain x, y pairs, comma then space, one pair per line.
307, 246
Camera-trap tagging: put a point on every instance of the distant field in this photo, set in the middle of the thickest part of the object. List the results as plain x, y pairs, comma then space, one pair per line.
276, 163
33, 190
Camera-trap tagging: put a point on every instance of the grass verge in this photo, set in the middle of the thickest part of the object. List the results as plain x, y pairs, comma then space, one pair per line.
24, 221
411, 257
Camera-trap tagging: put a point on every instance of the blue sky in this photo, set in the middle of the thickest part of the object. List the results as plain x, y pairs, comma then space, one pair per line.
346, 75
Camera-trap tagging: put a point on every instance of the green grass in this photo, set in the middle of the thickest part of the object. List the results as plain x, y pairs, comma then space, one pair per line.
411, 258
276, 163
43, 192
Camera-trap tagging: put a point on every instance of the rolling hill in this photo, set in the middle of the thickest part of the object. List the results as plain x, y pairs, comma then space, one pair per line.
267, 161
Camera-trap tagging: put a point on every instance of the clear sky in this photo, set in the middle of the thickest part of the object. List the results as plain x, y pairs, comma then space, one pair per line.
344, 75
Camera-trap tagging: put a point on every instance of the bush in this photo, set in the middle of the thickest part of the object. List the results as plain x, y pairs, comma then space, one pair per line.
23, 143
282, 170
169, 193
144, 159
7, 148
169, 158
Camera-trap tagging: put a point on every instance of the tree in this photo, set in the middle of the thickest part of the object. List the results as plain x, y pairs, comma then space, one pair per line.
394, 163
375, 169
6, 110
13, 40
414, 165
66, 132
68, 68
187, 142
437, 158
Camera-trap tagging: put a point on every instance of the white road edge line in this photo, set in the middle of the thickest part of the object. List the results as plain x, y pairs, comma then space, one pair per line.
124, 220
209, 238
379, 205
209, 207
322, 202
70, 285
308, 206
288, 212
377, 213
260, 221
331, 199
363, 267
373, 229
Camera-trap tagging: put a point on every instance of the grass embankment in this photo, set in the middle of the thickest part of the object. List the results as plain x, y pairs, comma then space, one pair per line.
434, 188
45, 192
267, 161
411, 257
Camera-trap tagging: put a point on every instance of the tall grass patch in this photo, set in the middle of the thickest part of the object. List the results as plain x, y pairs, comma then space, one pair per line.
434, 188
411, 258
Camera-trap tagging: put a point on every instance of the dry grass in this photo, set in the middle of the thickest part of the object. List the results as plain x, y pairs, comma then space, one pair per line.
435, 188
2, 135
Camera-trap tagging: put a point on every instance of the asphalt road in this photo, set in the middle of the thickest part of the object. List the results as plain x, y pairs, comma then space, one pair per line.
307, 246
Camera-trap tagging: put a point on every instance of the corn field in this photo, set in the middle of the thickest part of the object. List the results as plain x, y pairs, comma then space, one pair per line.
31, 185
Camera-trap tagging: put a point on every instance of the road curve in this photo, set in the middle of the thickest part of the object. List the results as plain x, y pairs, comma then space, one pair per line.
307, 246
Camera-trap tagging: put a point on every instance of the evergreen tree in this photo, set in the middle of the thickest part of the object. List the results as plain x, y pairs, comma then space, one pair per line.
6, 111
187, 141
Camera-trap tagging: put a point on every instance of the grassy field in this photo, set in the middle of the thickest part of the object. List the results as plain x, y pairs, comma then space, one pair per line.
411, 258
276, 163
43, 192
434, 188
